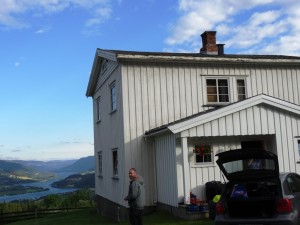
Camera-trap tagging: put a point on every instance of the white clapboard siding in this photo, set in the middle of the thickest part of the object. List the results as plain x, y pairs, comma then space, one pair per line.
166, 170
242, 123
110, 129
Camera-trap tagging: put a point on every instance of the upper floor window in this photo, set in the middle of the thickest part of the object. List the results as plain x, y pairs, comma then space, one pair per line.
203, 153
100, 163
113, 97
115, 162
217, 90
241, 89
98, 112
298, 146
104, 66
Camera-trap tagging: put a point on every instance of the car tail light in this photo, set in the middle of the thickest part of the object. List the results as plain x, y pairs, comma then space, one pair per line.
220, 209
284, 205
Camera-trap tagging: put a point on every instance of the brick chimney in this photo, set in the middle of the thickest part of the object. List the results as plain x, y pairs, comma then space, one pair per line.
209, 46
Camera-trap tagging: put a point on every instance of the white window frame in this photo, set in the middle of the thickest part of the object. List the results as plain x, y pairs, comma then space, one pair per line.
100, 163
204, 163
218, 102
244, 89
115, 164
113, 97
98, 109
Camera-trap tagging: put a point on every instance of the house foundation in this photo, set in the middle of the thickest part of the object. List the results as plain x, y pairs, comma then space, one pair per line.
119, 213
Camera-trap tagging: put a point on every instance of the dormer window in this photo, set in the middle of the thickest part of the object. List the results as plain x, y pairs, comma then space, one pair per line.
217, 90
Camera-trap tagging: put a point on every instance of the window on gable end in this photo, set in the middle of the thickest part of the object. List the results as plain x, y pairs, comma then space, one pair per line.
113, 97
298, 147
217, 90
98, 110
241, 89
115, 162
100, 161
104, 66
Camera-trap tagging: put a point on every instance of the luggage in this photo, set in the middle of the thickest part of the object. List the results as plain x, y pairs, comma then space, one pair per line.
213, 188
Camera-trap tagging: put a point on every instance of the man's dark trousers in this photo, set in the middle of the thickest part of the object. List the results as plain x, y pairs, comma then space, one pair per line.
135, 216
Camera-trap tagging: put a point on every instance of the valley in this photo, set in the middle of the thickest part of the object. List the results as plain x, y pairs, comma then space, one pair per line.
28, 177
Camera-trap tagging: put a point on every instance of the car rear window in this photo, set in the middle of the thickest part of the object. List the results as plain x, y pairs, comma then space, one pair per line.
249, 164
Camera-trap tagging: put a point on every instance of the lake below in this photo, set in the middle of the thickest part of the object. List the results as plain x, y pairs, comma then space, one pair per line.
44, 184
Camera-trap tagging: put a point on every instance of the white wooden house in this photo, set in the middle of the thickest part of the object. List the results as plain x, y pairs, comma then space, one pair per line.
152, 109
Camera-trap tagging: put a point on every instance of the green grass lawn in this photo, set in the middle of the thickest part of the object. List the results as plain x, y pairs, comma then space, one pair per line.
90, 217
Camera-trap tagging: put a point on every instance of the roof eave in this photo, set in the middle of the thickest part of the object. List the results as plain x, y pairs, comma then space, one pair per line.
202, 59
158, 131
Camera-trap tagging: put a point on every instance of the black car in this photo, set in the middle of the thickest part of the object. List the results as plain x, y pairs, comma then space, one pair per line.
256, 193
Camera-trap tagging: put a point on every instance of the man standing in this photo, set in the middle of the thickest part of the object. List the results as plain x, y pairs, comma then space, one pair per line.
135, 197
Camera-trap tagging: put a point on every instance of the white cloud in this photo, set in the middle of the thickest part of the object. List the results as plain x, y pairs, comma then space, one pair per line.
258, 18
11, 11
256, 30
197, 17
100, 15
42, 30
258, 26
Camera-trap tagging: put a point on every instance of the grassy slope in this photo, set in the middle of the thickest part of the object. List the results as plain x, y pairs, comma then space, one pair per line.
89, 217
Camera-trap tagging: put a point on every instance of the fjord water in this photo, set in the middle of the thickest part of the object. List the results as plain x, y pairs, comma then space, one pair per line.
44, 184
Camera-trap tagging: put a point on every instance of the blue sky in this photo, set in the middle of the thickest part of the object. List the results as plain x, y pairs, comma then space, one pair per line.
47, 49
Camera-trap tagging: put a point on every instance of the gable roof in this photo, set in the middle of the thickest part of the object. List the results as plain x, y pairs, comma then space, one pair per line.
123, 56
209, 115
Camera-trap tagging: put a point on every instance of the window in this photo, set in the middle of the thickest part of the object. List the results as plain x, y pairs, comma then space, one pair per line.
113, 97
104, 66
203, 153
298, 147
98, 109
100, 163
293, 181
115, 162
241, 89
217, 90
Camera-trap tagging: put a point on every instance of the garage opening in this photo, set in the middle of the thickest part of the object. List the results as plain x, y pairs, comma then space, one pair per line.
253, 144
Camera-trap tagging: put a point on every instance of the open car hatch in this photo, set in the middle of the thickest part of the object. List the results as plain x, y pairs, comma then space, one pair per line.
248, 164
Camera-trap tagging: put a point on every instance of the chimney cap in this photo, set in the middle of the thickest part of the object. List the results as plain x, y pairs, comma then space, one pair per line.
207, 32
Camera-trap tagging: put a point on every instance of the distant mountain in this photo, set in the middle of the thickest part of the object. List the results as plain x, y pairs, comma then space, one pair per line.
46, 166
82, 180
81, 165
16, 171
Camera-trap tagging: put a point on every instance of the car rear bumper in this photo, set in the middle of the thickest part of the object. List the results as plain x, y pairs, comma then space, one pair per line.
278, 220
